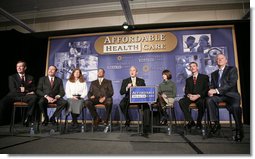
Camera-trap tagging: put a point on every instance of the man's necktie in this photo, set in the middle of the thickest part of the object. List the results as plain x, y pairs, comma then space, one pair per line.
133, 82
219, 79
22, 78
194, 80
100, 81
51, 82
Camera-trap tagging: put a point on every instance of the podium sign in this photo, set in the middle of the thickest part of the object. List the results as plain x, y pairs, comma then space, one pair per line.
143, 94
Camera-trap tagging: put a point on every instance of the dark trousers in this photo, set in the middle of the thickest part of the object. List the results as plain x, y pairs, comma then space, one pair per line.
7, 101
124, 106
43, 104
233, 106
162, 108
184, 104
90, 103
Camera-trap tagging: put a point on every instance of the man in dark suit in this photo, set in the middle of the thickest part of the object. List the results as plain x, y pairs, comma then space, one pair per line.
223, 88
100, 92
21, 88
195, 91
133, 81
50, 90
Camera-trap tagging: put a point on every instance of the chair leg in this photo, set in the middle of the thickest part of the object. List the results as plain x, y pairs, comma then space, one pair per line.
151, 120
230, 120
83, 128
12, 120
66, 123
170, 124
139, 118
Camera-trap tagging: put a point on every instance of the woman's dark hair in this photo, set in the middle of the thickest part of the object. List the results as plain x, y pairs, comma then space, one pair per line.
167, 73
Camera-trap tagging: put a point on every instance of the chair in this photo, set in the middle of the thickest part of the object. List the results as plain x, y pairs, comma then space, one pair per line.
84, 119
193, 106
132, 106
16, 105
102, 107
223, 105
54, 105
170, 111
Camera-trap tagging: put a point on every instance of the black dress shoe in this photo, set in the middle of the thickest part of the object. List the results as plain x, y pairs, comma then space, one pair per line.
106, 123
97, 121
190, 124
52, 120
27, 121
127, 123
239, 136
163, 122
215, 128
199, 126
45, 122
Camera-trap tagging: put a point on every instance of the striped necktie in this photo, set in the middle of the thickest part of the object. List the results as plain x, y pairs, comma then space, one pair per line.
194, 80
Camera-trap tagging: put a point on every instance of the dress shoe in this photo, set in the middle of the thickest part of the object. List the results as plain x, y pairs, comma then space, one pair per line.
97, 121
163, 122
52, 120
215, 128
199, 125
27, 121
239, 135
74, 123
106, 123
46, 121
127, 124
190, 124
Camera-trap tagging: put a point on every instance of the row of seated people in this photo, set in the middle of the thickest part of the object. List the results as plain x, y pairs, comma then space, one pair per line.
50, 90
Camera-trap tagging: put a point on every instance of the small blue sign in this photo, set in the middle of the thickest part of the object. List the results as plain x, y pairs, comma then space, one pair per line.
143, 94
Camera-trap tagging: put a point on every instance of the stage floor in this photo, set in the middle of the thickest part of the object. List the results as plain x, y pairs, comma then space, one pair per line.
120, 143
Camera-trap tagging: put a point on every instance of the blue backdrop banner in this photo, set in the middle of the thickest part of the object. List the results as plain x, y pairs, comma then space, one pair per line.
150, 51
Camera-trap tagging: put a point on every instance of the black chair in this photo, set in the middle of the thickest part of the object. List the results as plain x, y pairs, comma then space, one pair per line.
171, 113
102, 107
21, 105
131, 107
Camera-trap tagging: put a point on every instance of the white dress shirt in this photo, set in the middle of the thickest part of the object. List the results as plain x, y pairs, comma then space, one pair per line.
76, 88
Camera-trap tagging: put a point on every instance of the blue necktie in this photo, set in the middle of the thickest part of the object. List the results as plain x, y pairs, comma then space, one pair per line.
220, 74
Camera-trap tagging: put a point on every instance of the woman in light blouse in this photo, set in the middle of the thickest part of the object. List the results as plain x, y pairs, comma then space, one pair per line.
166, 95
76, 91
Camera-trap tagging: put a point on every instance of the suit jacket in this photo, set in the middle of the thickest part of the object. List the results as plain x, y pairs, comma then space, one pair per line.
103, 90
44, 87
201, 87
228, 81
15, 84
125, 82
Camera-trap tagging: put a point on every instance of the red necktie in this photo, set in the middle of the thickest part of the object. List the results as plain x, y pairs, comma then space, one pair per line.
51, 82
22, 78
194, 80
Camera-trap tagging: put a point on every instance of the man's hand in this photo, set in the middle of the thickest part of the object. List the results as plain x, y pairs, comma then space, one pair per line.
50, 99
129, 85
101, 99
92, 97
22, 89
211, 92
30, 93
194, 97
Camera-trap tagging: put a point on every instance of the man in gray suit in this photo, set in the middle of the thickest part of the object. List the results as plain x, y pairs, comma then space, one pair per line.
50, 90
223, 88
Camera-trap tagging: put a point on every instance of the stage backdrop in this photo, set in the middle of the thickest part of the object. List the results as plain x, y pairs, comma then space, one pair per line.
151, 51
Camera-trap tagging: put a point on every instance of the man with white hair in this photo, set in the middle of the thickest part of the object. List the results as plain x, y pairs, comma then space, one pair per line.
132, 81
223, 88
